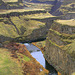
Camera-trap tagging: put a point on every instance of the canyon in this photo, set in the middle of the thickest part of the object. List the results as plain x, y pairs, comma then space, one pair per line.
48, 23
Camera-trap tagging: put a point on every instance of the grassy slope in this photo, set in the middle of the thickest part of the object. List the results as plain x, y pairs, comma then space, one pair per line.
29, 25
24, 27
16, 60
8, 30
26, 64
7, 65
21, 25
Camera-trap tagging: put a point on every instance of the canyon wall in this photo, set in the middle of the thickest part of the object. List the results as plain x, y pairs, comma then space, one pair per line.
60, 49
15, 26
70, 15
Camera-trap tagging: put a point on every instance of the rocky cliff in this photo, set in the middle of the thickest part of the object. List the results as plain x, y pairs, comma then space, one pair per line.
60, 49
18, 27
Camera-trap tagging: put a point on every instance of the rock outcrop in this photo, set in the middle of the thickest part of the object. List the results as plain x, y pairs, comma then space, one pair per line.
60, 49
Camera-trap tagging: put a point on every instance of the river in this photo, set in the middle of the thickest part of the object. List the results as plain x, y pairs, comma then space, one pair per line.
37, 54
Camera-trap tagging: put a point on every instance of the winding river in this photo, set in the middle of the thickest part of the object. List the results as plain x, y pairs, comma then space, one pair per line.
37, 54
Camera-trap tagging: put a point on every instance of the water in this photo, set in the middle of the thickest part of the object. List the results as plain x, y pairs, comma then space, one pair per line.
39, 57
37, 54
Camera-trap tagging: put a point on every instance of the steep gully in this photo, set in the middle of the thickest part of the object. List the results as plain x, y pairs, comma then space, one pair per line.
55, 9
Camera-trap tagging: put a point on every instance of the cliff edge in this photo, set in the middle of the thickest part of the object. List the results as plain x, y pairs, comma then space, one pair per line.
60, 49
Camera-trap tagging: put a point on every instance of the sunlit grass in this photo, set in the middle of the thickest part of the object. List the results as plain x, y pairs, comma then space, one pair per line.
29, 25
7, 65
39, 16
19, 10
7, 30
10, 0
67, 22
25, 27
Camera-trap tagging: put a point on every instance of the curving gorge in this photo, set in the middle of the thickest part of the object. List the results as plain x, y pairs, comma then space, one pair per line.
59, 50
53, 35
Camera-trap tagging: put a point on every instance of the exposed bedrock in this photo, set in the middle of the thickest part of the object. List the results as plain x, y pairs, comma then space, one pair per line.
60, 49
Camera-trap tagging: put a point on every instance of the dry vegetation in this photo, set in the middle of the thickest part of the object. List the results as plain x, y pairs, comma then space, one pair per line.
39, 16
19, 10
7, 65
10, 0
38, 5
67, 22
24, 27
22, 56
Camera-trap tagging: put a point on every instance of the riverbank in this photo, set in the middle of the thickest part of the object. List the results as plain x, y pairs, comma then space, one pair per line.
41, 45
21, 56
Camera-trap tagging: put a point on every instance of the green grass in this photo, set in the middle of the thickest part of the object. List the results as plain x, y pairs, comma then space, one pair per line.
26, 58
25, 27
7, 65
29, 25
23, 59
56, 32
7, 30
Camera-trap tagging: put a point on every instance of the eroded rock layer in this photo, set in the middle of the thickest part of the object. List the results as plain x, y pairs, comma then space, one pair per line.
60, 49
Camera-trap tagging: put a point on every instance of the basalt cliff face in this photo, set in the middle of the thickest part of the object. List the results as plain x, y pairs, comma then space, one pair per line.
60, 49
